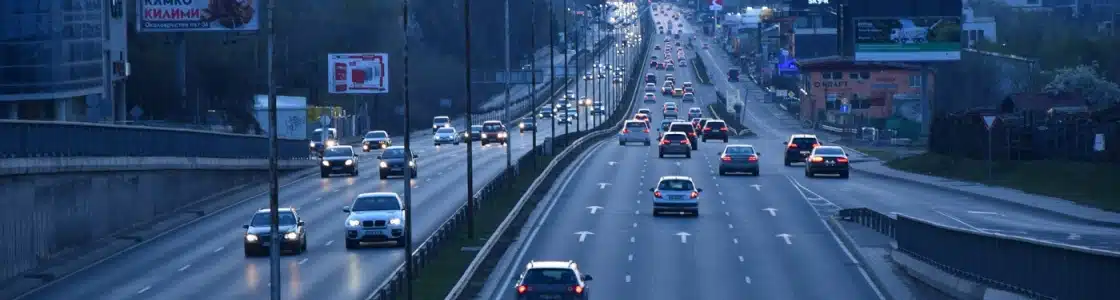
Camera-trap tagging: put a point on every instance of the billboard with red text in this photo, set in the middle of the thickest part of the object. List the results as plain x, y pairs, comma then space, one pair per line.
198, 15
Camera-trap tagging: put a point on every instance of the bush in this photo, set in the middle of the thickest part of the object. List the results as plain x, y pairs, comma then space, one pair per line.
700, 70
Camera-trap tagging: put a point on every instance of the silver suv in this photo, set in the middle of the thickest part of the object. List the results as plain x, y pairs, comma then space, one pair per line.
634, 131
676, 194
375, 217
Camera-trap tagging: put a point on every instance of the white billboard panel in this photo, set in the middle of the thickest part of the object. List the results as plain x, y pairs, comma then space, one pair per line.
358, 73
908, 39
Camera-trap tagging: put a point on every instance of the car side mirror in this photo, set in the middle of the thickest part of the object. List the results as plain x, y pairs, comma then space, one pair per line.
346, 209
379, 157
758, 153
719, 153
651, 189
699, 190
355, 155
587, 277
301, 223
245, 226
785, 143
415, 156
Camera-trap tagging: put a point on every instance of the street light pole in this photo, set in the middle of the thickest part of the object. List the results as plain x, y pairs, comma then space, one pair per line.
506, 110
552, 74
533, 82
273, 161
408, 262
567, 75
470, 97
586, 91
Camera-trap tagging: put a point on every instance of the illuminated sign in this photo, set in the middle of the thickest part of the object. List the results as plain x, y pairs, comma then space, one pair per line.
818, 1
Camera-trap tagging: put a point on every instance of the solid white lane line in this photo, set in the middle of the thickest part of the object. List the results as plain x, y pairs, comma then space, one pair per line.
219, 249
145, 289
184, 268
720, 193
722, 202
329, 243
635, 212
630, 257
984, 212
960, 221
302, 261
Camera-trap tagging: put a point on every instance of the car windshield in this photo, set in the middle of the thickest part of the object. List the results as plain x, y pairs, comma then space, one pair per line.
550, 276
681, 127
339, 151
675, 185
639, 125
393, 153
829, 151
694, 109
318, 136
714, 125
441, 120
261, 219
476, 128
376, 135
446, 130
675, 137
375, 203
804, 142
740, 150
491, 127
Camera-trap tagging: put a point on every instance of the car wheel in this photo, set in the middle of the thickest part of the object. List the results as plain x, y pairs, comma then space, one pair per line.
808, 174
621, 143
754, 172
400, 242
695, 147
722, 172
647, 143
413, 174
843, 174
656, 212
435, 144
483, 143
660, 155
352, 244
725, 140
355, 172
383, 176
786, 163
303, 247
365, 150
688, 155
249, 253
704, 140
456, 143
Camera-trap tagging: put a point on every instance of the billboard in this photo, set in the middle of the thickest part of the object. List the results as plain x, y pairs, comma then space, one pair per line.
198, 15
908, 39
358, 73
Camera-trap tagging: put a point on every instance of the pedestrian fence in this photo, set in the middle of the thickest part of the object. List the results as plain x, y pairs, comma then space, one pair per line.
1034, 268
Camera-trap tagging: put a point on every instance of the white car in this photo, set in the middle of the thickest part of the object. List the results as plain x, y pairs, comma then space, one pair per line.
377, 139
446, 135
374, 218
635, 131
676, 194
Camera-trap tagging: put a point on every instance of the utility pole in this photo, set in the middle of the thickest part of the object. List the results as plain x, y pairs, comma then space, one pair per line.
580, 43
506, 110
533, 82
567, 39
408, 262
470, 96
552, 74
273, 168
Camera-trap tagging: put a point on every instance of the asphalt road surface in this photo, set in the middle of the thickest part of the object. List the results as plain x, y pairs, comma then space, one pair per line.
205, 260
754, 238
887, 196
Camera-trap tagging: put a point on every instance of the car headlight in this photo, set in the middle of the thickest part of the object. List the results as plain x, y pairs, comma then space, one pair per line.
384, 165
483, 135
522, 125
411, 163
311, 144
331, 143
291, 236
365, 147
326, 163
435, 126
502, 135
395, 221
349, 162
353, 223
252, 238
435, 137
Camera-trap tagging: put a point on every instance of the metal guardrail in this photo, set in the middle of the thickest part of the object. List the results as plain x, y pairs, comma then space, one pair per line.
30, 139
1034, 268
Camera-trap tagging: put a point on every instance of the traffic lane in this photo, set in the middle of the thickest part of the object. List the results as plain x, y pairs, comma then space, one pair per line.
925, 202
791, 252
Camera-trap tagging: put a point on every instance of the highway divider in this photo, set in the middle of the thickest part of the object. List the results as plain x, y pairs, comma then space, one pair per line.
700, 70
719, 110
963, 262
427, 251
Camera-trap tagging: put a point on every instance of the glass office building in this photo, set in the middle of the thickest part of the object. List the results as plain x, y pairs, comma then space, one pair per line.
51, 57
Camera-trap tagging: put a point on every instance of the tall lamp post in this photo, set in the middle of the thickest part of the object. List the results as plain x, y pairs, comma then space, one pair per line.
470, 121
409, 268
506, 110
552, 73
273, 168
533, 82
567, 75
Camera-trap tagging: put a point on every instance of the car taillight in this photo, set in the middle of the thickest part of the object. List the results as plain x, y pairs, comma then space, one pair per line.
694, 195
816, 145
684, 142
792, 145
578, 289
626, 131
664, 142
657, 194
817, 159
521, 289
707, 129
842, 160
723, 129
691, 134
645, 130
725, 158
753, 158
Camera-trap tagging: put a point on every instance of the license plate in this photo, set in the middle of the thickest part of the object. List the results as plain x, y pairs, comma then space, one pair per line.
674, 197
396, 169
550, 296
265, 244
336, 168
804, 152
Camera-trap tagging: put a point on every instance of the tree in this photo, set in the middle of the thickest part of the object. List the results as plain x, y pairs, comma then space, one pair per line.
1084, 80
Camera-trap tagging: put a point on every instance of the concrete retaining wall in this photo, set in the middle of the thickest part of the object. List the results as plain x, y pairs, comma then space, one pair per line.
45, 216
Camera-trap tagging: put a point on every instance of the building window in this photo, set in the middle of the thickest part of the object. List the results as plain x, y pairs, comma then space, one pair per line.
853, 76
915, 81
865, 75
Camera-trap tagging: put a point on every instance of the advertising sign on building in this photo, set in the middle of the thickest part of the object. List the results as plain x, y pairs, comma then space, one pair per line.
913, 39
198, 15
358, 73
716, 5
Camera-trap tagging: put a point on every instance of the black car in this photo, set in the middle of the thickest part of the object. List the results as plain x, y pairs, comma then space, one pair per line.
339, 160
474, 134
394, 160
258, 233
552, 280
715, 130
687, 129
494, 132
527, 124
799, 146
827, 159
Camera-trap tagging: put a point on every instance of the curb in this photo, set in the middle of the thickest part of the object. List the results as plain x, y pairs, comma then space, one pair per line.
1025, 206
861, 261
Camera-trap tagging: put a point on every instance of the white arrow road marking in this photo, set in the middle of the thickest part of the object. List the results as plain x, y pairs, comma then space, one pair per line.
729, 226
583, 235
611, 163
748, 279
684, 236
635, 225
219, 249
678, 164
757, 187
773, 211
1073, 236
630, 257
329, 243
594, 209
627, 278
603, 185
786, 236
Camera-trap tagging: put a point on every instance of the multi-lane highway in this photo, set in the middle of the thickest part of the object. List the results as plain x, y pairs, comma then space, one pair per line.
774, 127
755, 237
205, 260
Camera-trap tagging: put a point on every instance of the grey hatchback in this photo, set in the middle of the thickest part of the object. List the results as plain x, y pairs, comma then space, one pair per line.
738, 158
675, 142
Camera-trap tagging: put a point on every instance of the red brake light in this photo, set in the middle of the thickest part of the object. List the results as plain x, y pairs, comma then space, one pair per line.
645, 130
657, 194
707, 129
625, 130
521, 289
578, 289
664, 142
691, 134
694, 195
723, 129
753, 158
816, 145
842, 159
792, 145
684, 142
725, 158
